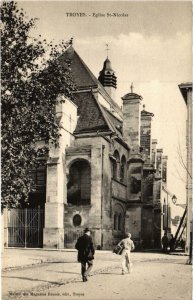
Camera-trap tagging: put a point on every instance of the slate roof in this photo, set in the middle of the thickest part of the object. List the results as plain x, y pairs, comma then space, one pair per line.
82, 75
116, 124
91, 118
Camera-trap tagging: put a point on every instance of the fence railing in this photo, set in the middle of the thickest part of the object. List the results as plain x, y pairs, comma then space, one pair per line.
25, 227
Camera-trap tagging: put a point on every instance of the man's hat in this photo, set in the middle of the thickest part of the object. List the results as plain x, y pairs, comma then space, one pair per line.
86, 230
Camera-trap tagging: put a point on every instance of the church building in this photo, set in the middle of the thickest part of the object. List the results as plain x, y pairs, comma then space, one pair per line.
106, 173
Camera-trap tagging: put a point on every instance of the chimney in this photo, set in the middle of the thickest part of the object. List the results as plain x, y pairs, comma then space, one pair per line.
145, 136
131, 119
159, 161
154, 153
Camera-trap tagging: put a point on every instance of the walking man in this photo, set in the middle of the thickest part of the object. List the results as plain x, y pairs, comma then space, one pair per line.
128, 246
172, 243
165, 243
86, 251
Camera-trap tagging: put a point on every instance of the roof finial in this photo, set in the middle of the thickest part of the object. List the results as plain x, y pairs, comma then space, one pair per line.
71, 41
143, 106
107, 49
132, 87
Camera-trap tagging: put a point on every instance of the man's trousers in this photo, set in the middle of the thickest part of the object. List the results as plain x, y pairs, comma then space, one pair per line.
84, 269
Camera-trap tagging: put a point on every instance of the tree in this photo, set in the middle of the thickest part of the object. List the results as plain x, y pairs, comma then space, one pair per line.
30, 86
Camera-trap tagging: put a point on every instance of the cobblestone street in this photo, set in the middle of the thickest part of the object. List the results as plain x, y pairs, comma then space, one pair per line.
56, 275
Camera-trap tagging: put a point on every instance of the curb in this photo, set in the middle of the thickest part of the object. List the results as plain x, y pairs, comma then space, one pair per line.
50, 249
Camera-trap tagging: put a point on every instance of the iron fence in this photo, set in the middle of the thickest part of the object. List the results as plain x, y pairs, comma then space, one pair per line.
71, 236
25, 227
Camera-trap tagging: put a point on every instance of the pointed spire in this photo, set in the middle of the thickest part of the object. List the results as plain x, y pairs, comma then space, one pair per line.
131, 87
71, 41
107, 49
143, 106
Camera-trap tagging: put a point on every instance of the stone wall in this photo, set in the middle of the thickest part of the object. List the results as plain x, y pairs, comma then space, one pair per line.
53, 236
119, 190
133, 223
147, 227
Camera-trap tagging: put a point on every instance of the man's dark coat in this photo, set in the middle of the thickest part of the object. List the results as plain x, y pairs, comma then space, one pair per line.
85, 248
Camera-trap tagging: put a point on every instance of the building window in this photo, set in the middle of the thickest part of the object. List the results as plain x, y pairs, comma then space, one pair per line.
119, 222
123, 169
114, 169
118, 218
118, 226
79, 183
77, 220
115, 165
115, 221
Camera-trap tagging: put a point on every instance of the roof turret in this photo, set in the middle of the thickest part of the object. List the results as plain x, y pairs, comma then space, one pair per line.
107, 65
107, 75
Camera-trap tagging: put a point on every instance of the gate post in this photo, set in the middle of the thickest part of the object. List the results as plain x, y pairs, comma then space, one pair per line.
25, 227
4, 229
54, 207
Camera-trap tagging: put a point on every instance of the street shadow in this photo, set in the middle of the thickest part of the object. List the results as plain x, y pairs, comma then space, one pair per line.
32, 279
172, 261
112, 273
77, 281
61, 262
63, 272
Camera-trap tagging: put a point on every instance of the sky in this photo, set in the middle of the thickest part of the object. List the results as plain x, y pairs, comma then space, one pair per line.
149, 46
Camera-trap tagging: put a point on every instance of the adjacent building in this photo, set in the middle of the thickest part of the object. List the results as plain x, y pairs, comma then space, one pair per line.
186, 91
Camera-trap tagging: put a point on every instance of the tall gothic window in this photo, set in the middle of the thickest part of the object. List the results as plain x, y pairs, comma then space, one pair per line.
123, 169
118, 218
119, 222
114, 169
115, 221
115, 165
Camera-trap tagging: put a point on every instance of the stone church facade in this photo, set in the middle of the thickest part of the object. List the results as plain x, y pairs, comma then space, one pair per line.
106, 173
109, 172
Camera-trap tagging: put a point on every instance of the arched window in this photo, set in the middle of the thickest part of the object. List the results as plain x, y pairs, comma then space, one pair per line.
118, 216
115, 165
79, 184
114, 168
120, 222
123, 169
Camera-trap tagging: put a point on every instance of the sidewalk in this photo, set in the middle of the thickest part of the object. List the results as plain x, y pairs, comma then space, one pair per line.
16, 258
24, 257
